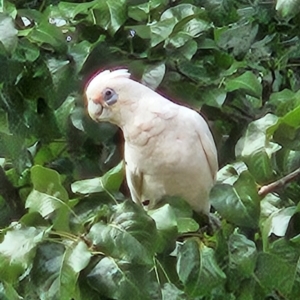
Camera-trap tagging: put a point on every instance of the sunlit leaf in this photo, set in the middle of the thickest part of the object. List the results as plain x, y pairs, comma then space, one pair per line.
238, 202
153, 75
170, 291
48, 195
110, 181
7, 291
277, 223
130, 235
214, 97
287, 8
256, 147
8, 33
17, 251
55, 269
48, 35
167, 226
247, 82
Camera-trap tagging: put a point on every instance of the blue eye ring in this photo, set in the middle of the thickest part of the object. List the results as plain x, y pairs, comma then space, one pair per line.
110, 96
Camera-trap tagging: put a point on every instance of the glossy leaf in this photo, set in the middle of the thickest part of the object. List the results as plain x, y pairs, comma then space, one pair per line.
287, 8
238, 202
197, 269
17, 251
266, 265
48, 194
167, 226
242, 255
247, 82
118, 279
8, 33
110, 181
67, 231
130, 235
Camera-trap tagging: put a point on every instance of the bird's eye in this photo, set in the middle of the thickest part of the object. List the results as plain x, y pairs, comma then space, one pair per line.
108, 93
110, 96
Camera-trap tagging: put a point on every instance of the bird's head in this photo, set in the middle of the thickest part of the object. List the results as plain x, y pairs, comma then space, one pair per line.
106, 94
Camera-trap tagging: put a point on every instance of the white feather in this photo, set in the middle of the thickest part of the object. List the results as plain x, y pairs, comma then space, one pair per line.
169, 149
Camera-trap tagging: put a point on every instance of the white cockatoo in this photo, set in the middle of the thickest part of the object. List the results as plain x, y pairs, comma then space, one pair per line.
169, 149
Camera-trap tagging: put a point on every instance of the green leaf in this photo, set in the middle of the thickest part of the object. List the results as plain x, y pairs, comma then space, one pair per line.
170, 291
12, 146
80, 52
183, 17
238, 37
117, 279
247, 82
48, 35
256, 147
61, 72
26, 51
189, 49
79, 256
4, 126
56, 269
117, 10
63, 112
130, 235
110, 14
161, 30
277, 224
8, 33
140, 12
153, 75
198, 269
166, 225
8, 292
287, 8
257, 137
48, 181
192, 18
186, 225
17, 251
76, 258
260, 166
242, 255
270, 264
238, 202
214, 97
284, 101
292, 118
194, 70
110, 181
48, 194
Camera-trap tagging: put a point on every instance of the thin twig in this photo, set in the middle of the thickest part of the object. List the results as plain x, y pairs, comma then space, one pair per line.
266, 189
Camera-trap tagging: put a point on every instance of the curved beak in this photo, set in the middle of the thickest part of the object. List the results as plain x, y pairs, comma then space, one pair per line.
94, 109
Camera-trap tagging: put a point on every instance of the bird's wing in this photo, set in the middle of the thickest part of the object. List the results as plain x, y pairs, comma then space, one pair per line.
208, 145
135, 183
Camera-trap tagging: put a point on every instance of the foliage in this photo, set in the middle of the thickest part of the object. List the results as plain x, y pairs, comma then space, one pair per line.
69, 230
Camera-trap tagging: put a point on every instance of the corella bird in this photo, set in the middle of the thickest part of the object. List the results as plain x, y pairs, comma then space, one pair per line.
169, 149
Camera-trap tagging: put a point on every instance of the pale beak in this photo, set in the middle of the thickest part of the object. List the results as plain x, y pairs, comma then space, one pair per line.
94, 109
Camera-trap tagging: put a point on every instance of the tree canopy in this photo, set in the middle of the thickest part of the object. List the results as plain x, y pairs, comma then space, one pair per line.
68, 227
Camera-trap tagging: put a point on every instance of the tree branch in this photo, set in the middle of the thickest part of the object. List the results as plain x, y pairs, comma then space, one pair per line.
266, 189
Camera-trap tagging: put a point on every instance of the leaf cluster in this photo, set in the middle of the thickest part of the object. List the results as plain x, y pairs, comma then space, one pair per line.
68, 227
